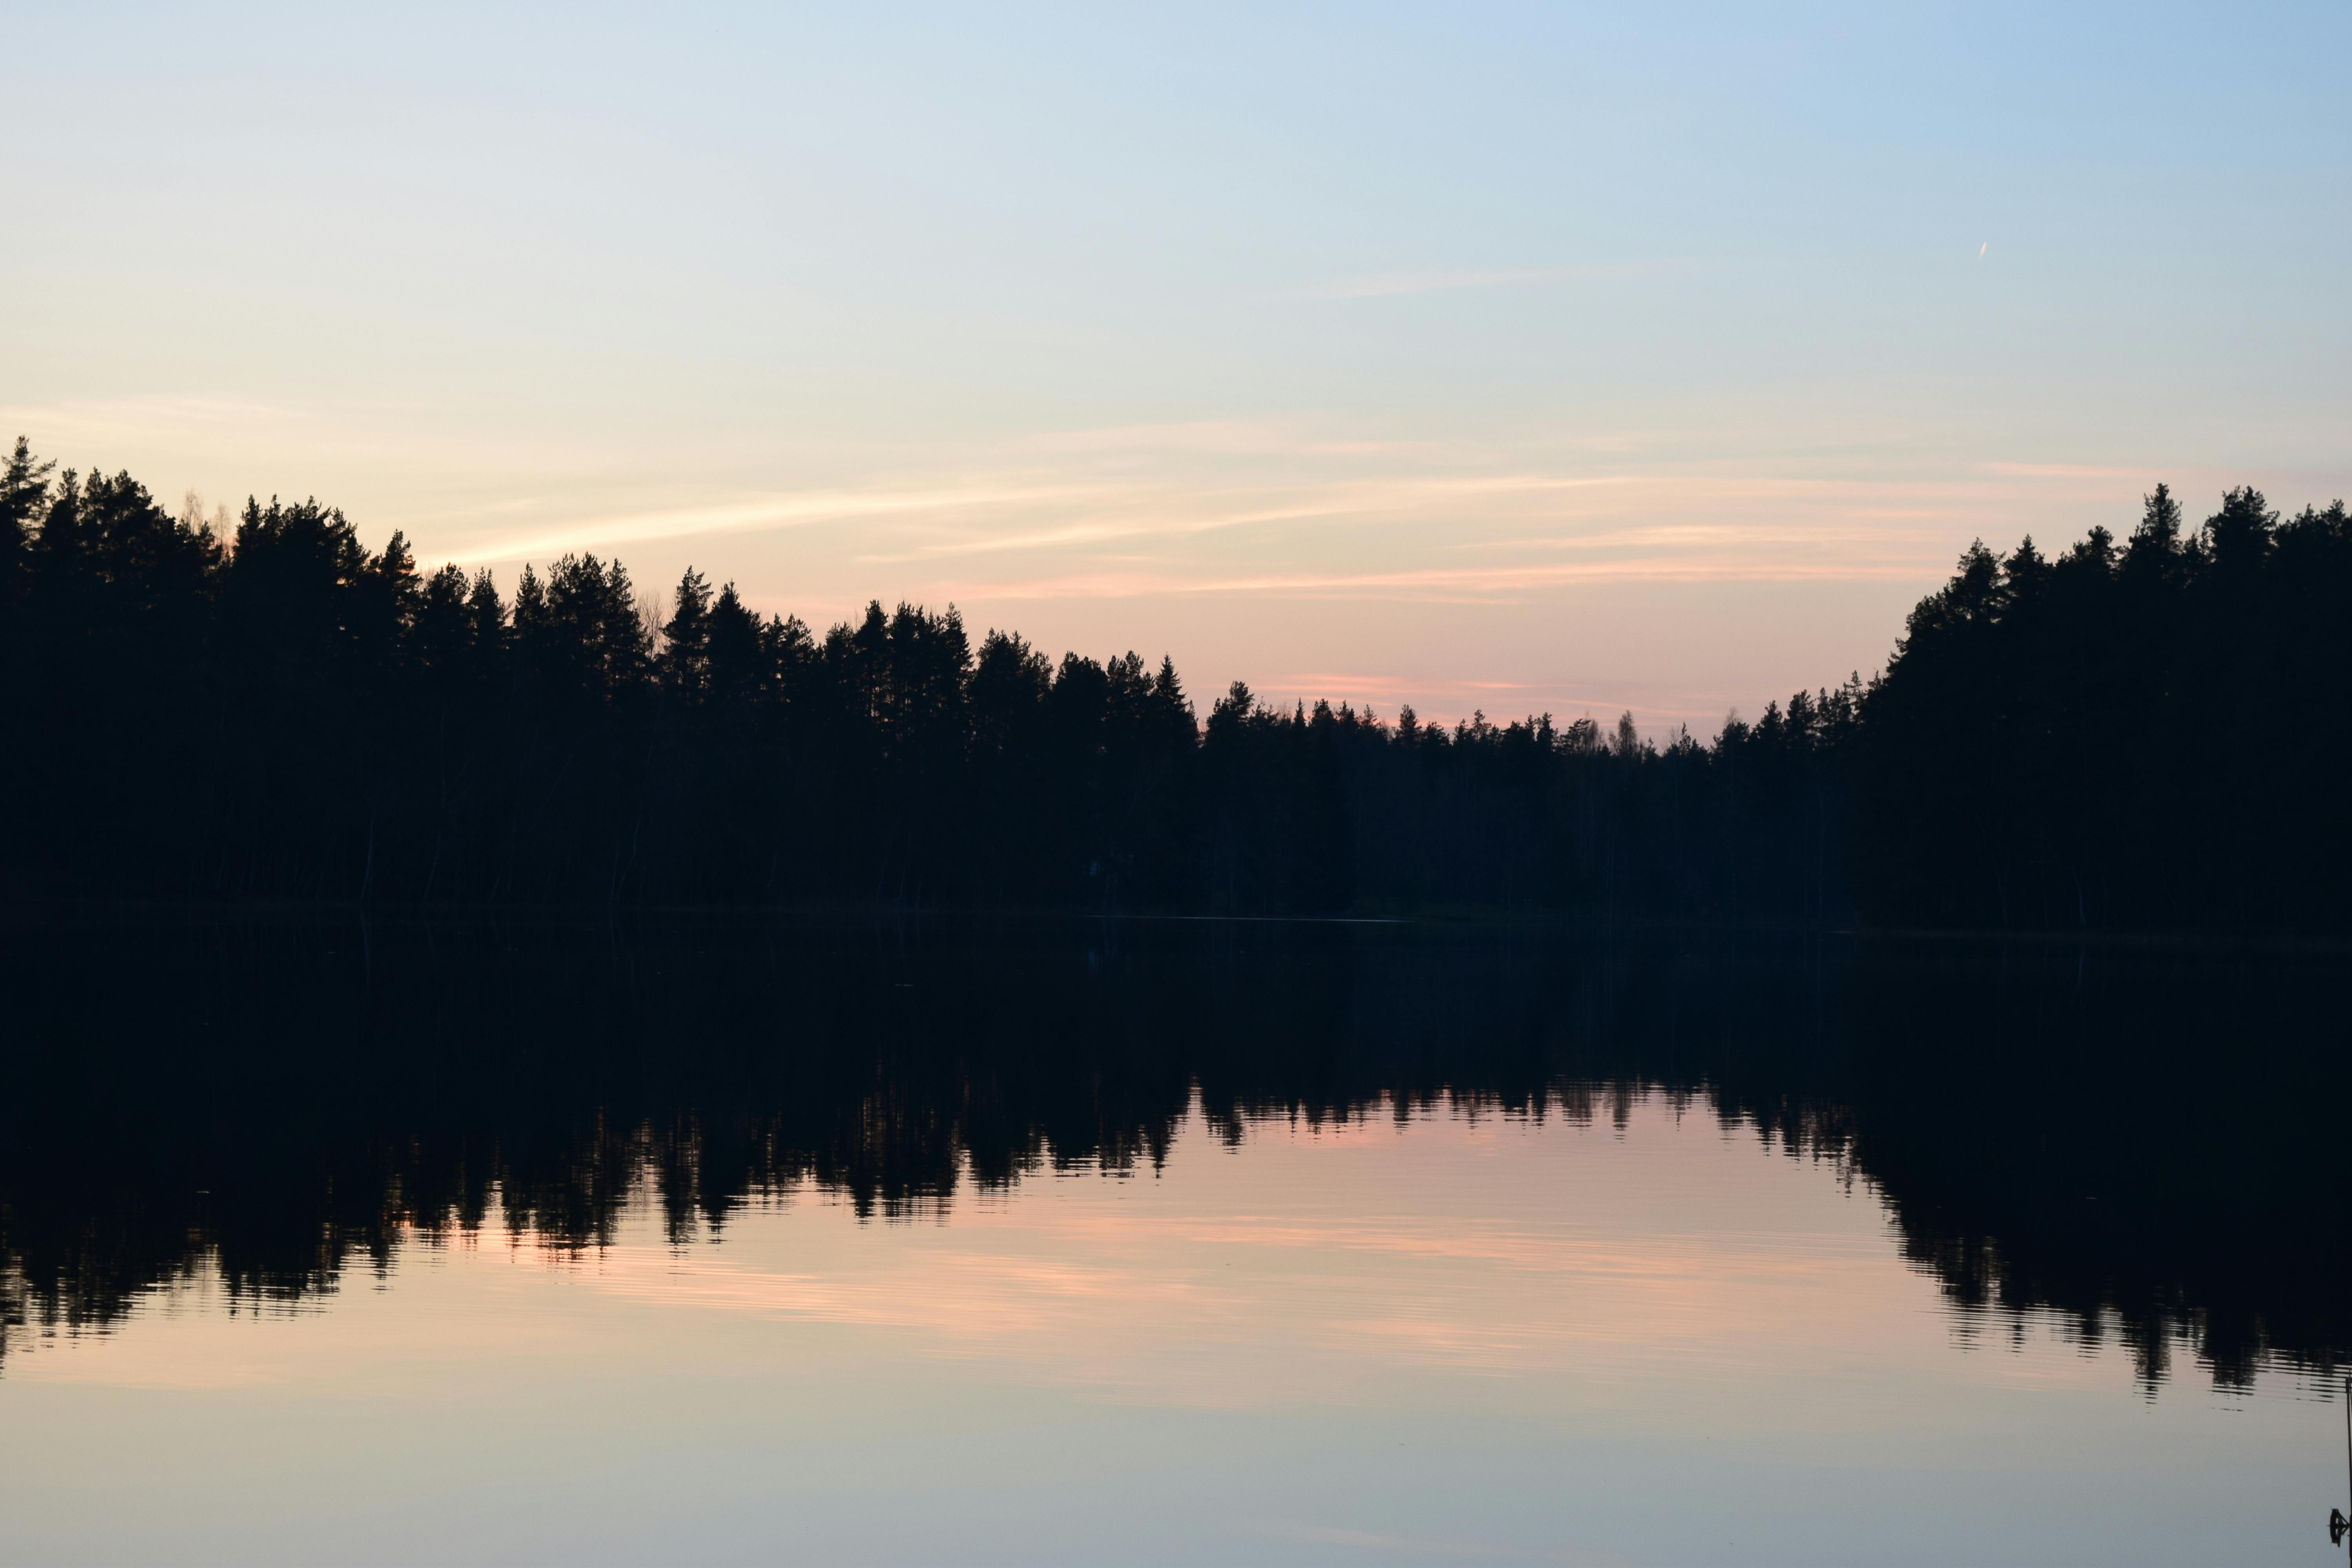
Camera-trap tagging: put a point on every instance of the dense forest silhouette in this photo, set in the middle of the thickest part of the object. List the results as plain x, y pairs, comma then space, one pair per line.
2140, 734
283, 1103
2116, 736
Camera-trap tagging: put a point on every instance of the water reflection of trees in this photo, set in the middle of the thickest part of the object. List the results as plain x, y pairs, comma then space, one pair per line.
2141, 1141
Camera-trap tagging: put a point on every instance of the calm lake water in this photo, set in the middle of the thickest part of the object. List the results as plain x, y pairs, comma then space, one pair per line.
711, 1241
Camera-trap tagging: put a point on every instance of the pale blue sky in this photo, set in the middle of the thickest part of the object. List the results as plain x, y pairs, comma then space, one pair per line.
1514, 357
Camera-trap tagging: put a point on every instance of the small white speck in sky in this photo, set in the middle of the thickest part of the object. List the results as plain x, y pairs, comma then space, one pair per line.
1981, 249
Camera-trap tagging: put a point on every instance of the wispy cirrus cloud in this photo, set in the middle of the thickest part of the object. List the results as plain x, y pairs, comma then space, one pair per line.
772, 511
1143, 510
1497, 584
1144, 534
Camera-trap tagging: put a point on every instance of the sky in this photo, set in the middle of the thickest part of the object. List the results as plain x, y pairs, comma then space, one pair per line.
1509, 358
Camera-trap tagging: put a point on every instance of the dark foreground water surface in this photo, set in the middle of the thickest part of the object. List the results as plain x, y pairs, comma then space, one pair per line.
1191, 1242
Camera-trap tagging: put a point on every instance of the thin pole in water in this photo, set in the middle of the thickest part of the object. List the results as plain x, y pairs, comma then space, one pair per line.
2339, 1527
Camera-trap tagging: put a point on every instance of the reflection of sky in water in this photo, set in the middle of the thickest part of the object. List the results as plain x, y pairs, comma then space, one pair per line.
1455, 1339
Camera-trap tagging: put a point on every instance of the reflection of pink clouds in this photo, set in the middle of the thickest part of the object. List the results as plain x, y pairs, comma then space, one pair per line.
964, 1296
1527, 1268
1253, 1279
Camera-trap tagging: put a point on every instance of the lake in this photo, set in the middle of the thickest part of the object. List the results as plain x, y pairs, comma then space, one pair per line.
724, 1240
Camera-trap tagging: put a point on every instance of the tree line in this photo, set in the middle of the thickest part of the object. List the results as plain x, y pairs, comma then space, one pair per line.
2140, 734
269, 710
